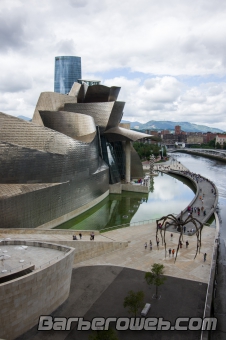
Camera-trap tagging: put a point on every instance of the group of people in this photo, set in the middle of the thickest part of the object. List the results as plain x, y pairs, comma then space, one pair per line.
197, 210
92, 235
75, 237
171, 251
150, 245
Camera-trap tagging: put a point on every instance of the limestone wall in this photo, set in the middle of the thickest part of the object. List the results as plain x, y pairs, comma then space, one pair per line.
24, 299
85, 250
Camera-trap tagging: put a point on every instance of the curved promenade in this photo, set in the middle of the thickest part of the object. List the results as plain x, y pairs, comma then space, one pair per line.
205, 200
206, 197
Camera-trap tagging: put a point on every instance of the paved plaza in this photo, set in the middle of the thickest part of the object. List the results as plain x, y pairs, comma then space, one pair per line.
137, 257
100, 291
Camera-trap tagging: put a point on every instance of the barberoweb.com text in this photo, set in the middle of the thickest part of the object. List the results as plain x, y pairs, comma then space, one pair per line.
47, 323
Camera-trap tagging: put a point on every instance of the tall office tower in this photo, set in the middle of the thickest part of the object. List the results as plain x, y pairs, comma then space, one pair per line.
67, 71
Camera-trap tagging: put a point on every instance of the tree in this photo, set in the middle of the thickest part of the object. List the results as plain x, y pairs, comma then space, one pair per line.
108, 334
218, 146
134, 301
155, 276
212, 143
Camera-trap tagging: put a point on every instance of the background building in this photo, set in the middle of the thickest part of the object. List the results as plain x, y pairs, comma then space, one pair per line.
67, 71
177, 129
221, 139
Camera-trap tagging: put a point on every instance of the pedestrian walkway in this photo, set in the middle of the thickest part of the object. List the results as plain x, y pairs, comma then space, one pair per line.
205, 201
137, 257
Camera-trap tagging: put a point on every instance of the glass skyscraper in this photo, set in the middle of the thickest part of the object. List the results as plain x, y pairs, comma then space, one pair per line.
67, 71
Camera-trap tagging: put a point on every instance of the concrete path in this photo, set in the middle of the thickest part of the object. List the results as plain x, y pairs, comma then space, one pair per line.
137, 257
206, 200
206, 197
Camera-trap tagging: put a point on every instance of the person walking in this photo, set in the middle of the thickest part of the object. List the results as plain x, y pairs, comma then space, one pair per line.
187, 244
150, 245
171, 237
173, 251
184, 229
157, 241
205, 257
145, 245
80, 235
169, 252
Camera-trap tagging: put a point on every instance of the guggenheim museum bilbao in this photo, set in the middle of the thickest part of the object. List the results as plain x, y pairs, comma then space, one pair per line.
64, 161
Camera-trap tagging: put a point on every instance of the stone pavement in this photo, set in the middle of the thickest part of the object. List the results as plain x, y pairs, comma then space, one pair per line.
137, 257
100, 291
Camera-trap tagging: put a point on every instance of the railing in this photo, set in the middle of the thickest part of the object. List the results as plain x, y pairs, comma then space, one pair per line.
132, 224
126, 225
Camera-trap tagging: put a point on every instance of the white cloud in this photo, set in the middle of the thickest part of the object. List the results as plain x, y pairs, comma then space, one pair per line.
168, 99
162, 39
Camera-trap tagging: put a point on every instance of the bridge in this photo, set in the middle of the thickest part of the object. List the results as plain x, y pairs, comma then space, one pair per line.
210, 153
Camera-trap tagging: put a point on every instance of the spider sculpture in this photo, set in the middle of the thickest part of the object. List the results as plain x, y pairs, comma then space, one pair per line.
164, 222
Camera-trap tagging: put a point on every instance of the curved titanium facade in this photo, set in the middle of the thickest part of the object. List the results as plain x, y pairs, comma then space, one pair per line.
67, 71
99, 111
101, 93
63, 160
75, 125
45, 174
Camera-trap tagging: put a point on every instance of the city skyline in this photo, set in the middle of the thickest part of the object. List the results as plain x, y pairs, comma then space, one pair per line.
170, 65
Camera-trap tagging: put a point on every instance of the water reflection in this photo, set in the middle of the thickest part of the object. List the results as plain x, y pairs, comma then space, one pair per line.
167, 195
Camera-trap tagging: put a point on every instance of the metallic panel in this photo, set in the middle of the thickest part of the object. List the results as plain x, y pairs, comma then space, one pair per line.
26, 134
32, 208
121, 134
136, 165
82, 93
75, 90
51, 101
75, 125
101, 93
116, 115
45, 174
99, 111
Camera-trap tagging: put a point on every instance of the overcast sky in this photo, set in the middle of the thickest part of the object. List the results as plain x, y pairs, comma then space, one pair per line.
169, 56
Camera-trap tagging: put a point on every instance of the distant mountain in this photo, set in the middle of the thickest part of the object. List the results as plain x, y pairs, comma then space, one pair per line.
168, 125
24, 118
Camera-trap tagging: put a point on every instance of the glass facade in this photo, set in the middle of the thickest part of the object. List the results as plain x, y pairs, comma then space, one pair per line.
114, 156
67, 71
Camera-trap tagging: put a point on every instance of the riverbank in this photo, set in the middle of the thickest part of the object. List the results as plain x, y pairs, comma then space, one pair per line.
214, 154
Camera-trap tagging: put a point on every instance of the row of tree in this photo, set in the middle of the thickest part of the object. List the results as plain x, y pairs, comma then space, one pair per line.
145, 150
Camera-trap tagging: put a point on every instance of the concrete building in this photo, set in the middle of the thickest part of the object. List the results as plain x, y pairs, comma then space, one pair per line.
165, 132
210, 136
67, 71
34, 280
221, 139
177, 129
194, 139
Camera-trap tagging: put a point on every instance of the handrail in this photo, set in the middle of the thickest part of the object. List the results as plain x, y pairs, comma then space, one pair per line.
133, 224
